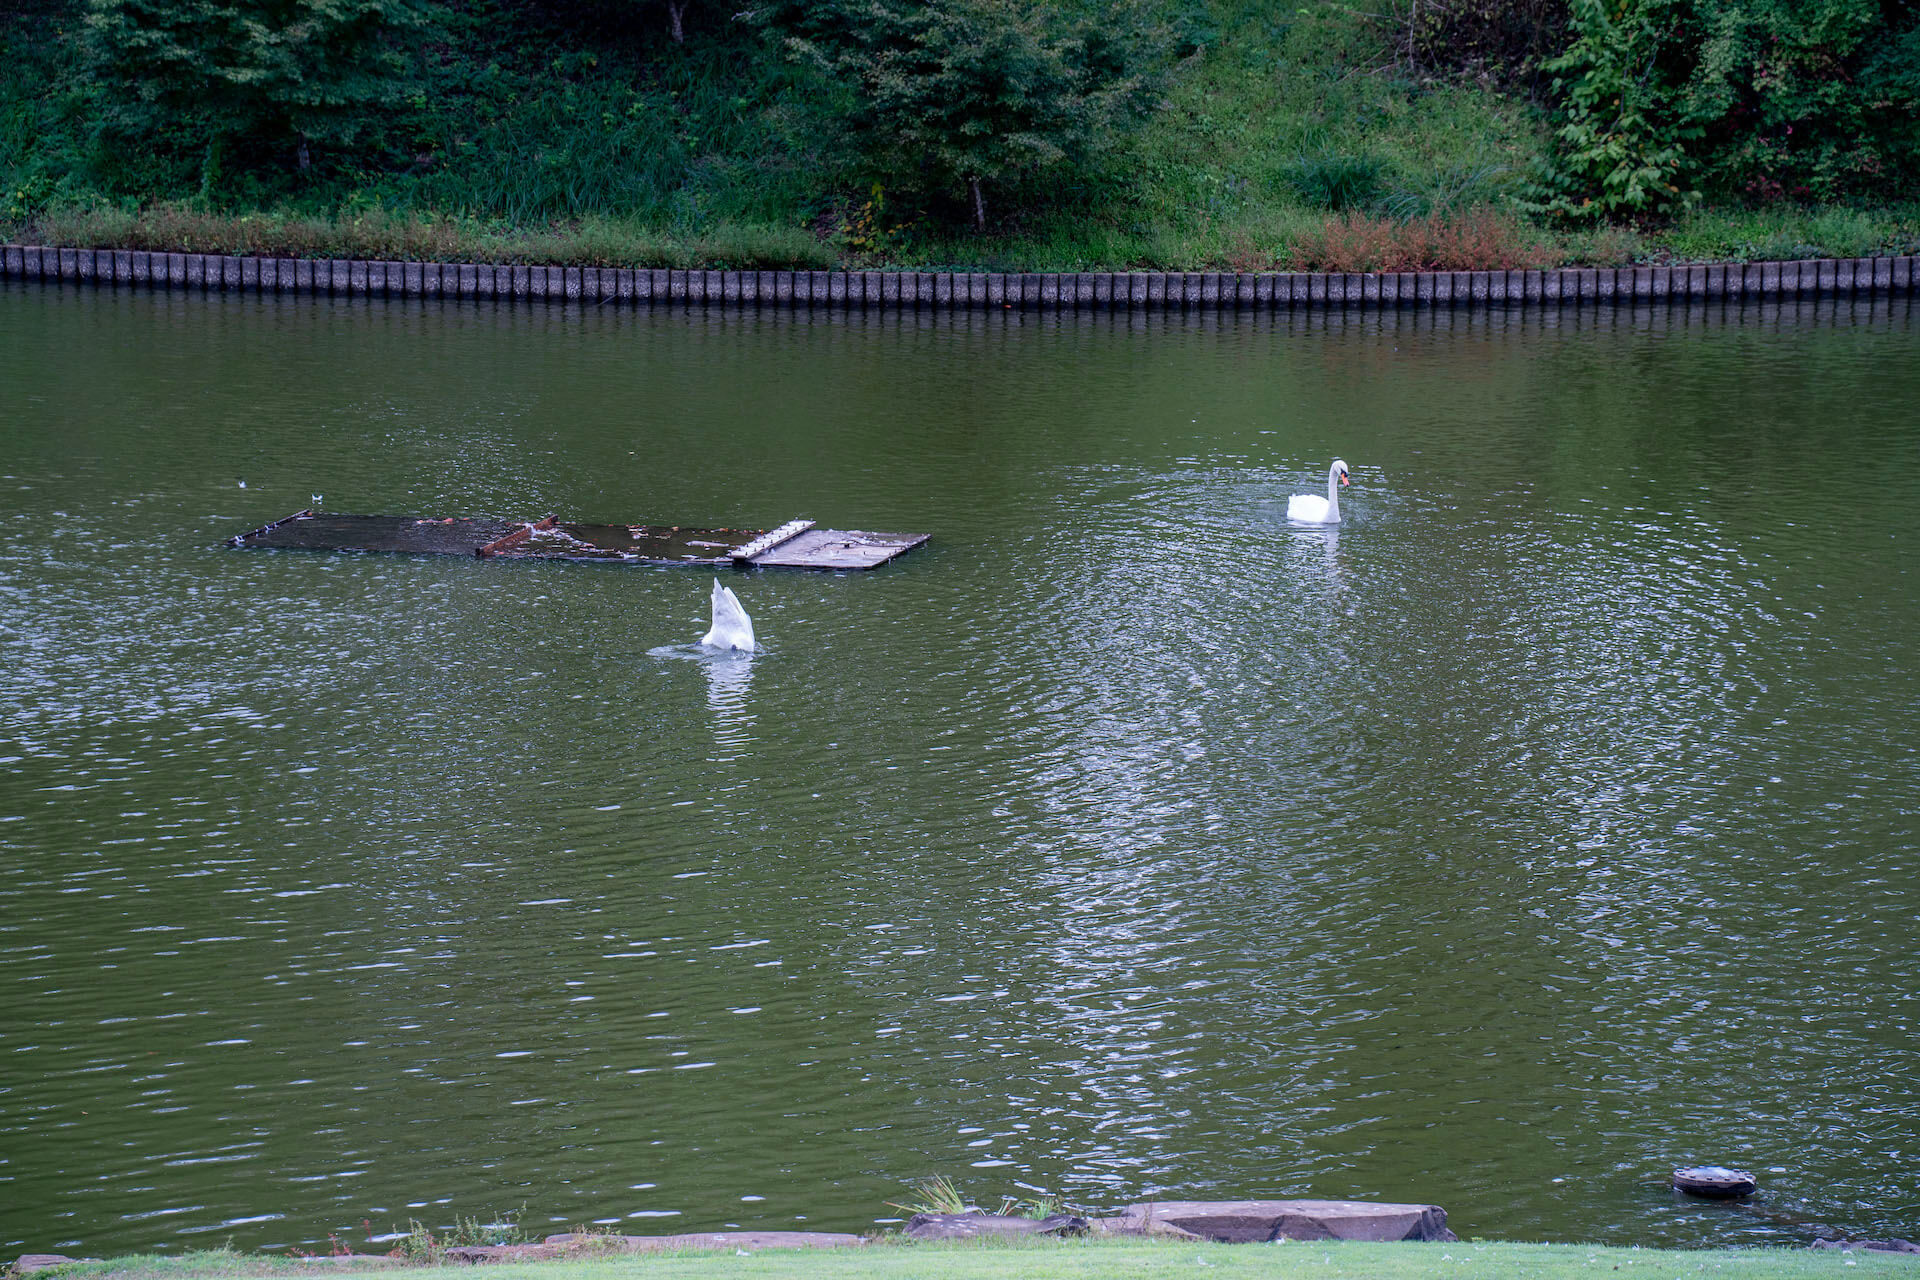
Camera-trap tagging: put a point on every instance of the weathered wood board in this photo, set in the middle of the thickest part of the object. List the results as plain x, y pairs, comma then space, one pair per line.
794, 545
838, 549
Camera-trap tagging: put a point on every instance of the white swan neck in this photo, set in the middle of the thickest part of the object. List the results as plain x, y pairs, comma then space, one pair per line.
1333, 494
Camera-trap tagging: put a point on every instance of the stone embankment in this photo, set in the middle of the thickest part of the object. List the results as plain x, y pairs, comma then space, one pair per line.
1220, 1221
950, 291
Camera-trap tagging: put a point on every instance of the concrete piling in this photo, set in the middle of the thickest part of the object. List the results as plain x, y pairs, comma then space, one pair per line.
946, 291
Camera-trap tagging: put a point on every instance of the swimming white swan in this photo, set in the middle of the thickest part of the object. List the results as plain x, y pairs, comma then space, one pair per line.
732, 628
1311, 508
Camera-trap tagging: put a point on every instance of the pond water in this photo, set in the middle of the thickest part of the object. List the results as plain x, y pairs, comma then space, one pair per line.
1548, 825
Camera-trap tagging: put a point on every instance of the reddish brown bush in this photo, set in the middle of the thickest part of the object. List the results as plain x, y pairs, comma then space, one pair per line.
1481, 239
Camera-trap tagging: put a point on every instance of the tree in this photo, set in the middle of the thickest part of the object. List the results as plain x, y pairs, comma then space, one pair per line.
281, 73
967, 95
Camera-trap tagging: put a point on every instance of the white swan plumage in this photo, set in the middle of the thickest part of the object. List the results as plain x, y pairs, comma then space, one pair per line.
1311, 508
732, 628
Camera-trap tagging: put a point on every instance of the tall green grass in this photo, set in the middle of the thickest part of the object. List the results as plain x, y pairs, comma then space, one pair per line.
1785, 233
679, 146
378, 234
1480, 237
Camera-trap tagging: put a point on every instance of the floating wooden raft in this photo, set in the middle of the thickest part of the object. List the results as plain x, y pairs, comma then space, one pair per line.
794, 545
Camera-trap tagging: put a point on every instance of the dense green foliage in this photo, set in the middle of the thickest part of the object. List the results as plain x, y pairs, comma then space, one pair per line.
943, 94
501, 114
1663, 101
1624, 145
1019, 133
269, 77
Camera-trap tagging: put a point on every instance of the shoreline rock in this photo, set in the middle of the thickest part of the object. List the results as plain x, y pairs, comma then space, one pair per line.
975, 1223
1215, 1221
1251, 1221
1871, 1246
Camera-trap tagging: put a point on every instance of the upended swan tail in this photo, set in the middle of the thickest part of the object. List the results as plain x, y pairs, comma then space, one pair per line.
732, 628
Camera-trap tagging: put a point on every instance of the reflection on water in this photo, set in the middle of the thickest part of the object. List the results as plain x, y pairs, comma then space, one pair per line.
729, 676
729, 681
1544, 827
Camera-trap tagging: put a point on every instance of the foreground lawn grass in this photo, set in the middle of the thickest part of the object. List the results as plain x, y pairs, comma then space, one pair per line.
1109, 1260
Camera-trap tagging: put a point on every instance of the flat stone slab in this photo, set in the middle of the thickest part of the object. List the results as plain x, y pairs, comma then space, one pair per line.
972, 1226
707, 1240
28, 1263
1248, 1221
478, 1254
1873, 1246
1126, 1225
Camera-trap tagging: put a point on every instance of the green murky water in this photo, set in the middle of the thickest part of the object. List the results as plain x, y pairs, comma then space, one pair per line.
1547, 826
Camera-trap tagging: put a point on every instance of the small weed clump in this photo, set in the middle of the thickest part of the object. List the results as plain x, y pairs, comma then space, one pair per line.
934, 1195
430, 1244
938, 1194
336, 1248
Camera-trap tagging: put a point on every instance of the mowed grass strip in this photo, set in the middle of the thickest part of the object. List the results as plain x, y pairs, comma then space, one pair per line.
1103, 1260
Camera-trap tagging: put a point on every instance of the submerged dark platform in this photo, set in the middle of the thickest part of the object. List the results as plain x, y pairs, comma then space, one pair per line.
794, 545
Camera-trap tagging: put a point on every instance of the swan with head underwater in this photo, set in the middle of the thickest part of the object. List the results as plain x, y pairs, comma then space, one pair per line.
732, 628
1311, 508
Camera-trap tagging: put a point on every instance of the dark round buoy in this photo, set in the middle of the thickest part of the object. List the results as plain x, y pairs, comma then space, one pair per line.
1714, 1182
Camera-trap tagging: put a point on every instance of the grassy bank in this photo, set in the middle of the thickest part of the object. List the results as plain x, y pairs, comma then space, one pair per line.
1111, 1260
1478, 241
1282, 139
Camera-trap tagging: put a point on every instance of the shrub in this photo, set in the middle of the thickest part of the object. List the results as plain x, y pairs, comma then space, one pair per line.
1770, 99
1481, 239
1622, 142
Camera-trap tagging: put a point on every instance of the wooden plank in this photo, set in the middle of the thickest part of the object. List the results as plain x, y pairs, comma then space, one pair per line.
838, 549
254, 535
514, 539
771, 539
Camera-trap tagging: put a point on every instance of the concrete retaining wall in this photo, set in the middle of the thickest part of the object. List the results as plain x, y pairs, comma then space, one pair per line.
1129, 290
